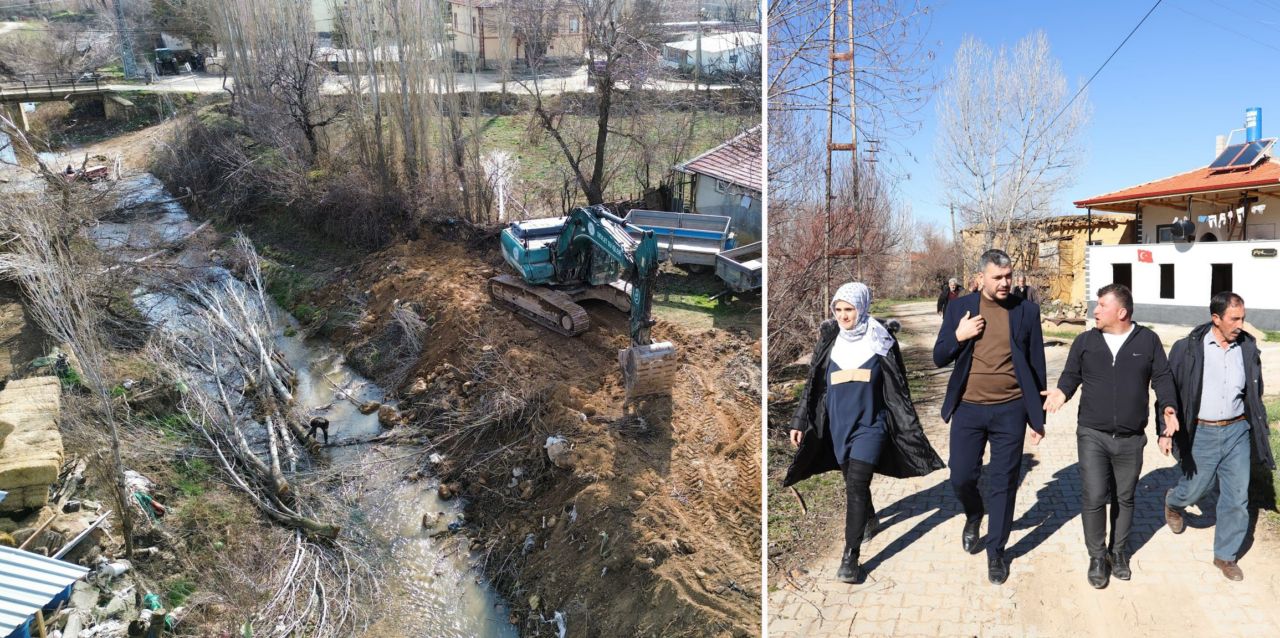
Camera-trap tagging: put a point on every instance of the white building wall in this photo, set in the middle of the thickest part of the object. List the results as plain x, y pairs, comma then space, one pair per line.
715, 197
1253, 278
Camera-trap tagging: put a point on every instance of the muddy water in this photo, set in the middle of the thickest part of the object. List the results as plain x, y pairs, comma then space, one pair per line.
431, 587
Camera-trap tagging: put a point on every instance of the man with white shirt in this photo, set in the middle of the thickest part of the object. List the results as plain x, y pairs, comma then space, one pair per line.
1116, 362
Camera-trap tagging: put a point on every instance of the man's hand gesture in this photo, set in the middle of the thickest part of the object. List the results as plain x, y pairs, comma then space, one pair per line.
970, 327
1053, 399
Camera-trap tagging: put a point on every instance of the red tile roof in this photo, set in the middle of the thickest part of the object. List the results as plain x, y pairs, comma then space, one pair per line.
1200, 180
738, 161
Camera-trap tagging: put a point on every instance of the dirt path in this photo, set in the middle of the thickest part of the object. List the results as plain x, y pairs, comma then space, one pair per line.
922, 583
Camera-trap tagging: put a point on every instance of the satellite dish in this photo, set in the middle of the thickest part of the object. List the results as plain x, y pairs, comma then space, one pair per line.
1183, 229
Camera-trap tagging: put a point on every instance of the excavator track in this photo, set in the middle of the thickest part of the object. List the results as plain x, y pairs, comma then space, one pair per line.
551, 309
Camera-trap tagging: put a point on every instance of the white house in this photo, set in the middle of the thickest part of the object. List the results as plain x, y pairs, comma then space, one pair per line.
720, 53
1197, 233
727, 180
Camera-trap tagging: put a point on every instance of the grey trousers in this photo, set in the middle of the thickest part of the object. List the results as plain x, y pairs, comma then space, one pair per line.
1109, 469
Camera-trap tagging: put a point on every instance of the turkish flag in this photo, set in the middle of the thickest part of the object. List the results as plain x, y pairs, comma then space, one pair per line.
1144, 256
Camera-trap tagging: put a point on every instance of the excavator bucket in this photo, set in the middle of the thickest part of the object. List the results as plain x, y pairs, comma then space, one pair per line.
648, 370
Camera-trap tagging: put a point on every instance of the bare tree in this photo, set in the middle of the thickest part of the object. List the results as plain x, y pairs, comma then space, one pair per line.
891, 78
37, 230
272, 52
1008, 139
619, 37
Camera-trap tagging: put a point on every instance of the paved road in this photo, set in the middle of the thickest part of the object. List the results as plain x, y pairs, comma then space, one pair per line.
922, 584
481, 82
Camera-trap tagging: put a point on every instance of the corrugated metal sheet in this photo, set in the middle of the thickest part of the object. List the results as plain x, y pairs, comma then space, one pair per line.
28, 582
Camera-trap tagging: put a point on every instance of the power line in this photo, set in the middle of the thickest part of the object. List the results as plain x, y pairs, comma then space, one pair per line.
1100, 68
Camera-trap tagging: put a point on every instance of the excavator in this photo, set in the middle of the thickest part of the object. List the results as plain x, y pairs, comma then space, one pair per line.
588, 254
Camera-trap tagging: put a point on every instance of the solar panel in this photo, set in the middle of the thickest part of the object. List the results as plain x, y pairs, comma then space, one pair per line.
1228, 156
1242, 155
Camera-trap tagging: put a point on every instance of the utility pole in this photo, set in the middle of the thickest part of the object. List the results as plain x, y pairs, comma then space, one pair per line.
126, 46
832, 146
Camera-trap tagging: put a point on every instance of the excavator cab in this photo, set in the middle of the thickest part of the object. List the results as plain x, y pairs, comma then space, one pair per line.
588, 255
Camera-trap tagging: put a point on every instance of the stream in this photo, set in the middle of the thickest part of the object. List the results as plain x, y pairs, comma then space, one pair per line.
430, 585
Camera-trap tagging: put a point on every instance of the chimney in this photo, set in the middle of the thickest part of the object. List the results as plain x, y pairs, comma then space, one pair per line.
1220, 144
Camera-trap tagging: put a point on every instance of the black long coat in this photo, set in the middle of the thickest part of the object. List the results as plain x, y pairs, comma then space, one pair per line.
906, 451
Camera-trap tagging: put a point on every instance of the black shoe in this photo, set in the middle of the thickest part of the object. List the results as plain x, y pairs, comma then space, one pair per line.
1099, 574
850, 571
1120, 565
997, 569
969, 539
873, 526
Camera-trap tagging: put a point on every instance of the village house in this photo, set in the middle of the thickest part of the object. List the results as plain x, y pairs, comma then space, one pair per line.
1197, 233
482, 34
726, 180
1051, 251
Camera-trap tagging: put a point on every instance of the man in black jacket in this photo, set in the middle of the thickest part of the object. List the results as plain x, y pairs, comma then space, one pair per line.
993, 396
1218, 372
1115, 361
949, 293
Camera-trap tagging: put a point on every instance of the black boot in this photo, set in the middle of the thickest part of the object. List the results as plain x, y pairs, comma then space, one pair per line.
1120, 565
850, 571
857, 485
1099, 575
873, 526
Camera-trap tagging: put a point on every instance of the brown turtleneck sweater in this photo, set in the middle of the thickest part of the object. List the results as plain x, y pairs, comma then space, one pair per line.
991, 378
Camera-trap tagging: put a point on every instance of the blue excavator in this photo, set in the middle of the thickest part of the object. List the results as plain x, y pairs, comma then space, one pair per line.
588, 254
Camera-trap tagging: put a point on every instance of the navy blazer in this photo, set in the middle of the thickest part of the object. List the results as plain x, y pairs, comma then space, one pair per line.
1028, 354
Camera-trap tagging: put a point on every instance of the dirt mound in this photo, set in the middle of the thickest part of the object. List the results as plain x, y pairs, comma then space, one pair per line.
650, 524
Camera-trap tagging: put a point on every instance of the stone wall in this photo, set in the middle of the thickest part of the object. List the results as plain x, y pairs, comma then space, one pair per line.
31, 454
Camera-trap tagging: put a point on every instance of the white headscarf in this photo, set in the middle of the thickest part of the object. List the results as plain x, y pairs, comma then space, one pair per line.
868, 338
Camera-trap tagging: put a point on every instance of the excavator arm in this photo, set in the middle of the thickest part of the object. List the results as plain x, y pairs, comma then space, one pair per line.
592, 233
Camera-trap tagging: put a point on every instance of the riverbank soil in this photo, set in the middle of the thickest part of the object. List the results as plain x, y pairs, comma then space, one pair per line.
651, 525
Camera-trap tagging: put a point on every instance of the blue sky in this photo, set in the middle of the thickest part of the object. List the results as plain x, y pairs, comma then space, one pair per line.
1186, 76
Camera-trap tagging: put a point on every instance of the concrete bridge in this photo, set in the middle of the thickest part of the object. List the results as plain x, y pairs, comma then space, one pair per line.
56, 88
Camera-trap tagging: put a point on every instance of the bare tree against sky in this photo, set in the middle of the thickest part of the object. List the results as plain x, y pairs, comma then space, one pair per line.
998, 159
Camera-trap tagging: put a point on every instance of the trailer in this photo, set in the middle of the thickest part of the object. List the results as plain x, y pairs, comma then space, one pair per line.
684, 238
742, 268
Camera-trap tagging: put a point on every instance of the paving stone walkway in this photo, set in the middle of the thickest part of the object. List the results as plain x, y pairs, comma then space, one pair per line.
922, 584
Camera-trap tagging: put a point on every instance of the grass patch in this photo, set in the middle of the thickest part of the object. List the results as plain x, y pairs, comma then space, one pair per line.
540, 164
794, 533
1272, 335
178, 590
193, 477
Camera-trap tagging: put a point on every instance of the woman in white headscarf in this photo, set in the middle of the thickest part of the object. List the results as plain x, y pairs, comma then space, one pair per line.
856, 415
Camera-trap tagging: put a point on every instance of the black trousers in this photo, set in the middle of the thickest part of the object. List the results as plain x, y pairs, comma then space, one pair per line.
1109, 469
972, 427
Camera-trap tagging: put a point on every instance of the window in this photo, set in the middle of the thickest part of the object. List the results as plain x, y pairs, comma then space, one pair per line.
733, 58
1122, 274
573, 25
722, 186
1164, 233
1262, 231
473, 25
1166, 281
1221, 279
